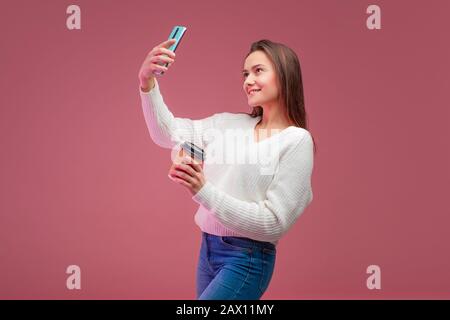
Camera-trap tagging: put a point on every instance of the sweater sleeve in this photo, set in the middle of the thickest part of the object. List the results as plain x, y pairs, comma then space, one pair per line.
165, 129
287, 197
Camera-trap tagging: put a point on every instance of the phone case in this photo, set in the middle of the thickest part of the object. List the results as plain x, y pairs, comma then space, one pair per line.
177, 33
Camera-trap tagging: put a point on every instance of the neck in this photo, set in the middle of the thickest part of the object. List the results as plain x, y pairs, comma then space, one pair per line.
274, 117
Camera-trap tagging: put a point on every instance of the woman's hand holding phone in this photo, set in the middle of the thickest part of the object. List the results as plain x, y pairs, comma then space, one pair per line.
154, 63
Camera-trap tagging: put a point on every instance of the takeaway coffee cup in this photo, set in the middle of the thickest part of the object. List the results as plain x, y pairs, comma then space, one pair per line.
187, 149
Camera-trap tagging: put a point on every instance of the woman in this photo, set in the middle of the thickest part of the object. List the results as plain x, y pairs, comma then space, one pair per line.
245, 208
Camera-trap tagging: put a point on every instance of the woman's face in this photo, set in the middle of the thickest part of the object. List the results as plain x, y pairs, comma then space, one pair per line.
259, 73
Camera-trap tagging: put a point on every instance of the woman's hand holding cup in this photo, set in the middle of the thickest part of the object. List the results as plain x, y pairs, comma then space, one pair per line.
187, 169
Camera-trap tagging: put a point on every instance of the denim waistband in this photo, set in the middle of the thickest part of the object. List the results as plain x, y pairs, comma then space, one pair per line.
246, 241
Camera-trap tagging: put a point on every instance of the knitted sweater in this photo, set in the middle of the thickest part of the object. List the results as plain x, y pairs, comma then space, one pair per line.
253, 189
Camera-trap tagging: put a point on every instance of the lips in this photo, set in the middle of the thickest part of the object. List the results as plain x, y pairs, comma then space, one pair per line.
253, 91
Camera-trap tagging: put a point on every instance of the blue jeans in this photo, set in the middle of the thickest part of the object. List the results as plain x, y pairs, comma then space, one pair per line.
234, 268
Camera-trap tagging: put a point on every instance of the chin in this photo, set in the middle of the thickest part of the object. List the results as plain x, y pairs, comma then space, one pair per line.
254, 102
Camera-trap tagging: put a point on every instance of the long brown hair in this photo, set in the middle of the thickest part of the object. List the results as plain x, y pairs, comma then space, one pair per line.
289, 79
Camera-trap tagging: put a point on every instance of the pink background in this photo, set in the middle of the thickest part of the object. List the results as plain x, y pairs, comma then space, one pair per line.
82, 182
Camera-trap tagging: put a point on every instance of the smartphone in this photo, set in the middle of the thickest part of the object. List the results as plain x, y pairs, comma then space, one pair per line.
177, 33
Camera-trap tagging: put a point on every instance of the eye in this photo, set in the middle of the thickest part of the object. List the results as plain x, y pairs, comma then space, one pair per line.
245, 73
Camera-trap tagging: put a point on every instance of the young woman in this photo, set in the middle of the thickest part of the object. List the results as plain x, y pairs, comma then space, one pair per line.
245, 208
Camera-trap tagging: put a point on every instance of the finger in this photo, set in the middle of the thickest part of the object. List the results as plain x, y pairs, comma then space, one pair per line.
160, 52
187, 159
159, 67
197, 167
193, 164
186, 168
170, 42
181, 181
173, 172
183, 176
164, 58
160, 57
167, 43
167, 52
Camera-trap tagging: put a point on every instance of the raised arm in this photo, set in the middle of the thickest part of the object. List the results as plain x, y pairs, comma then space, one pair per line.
165, 129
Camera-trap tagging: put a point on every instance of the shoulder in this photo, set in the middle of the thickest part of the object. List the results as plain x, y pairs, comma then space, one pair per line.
233, 116
298, 135
298, 141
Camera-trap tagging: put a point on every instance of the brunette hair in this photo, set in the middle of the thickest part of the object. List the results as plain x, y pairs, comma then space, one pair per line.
289, 79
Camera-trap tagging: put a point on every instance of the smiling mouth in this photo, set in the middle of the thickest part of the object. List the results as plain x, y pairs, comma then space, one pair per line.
253, 92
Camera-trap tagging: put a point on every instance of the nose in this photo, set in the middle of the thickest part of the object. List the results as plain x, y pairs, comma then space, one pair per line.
248, 82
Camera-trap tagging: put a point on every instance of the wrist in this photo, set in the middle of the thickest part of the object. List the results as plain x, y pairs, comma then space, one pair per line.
147, 84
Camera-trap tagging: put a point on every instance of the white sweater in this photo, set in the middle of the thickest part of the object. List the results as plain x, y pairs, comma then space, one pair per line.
253, 189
